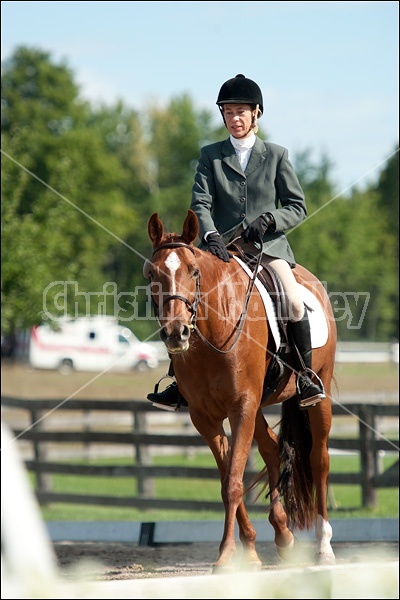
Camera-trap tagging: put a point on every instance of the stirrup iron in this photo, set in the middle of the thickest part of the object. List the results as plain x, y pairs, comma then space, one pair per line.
306, 403
160, 380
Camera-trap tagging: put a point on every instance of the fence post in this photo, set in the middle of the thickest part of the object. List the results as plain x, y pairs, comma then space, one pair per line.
367, 455
43, 480
145, 485
86, 414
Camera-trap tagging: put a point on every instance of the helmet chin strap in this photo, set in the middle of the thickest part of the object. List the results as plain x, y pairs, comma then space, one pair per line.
254, 122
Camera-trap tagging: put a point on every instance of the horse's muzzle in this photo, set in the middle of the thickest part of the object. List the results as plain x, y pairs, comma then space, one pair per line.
177, 340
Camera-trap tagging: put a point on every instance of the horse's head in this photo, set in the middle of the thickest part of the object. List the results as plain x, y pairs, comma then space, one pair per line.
174, 280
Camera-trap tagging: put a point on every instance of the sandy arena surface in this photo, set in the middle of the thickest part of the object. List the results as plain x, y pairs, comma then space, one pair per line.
107, 561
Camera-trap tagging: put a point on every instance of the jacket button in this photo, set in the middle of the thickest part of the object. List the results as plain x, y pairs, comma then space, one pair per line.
243, 215
242, 199
242, 183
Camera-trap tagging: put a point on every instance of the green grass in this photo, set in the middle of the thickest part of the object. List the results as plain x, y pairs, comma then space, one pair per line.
347, 498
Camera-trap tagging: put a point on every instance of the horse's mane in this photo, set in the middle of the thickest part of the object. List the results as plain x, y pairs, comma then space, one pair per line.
171, 237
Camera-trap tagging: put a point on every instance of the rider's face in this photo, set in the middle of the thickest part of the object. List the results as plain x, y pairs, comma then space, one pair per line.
238, 119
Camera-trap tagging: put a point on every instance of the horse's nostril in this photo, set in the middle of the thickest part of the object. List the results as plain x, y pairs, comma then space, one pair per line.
163, 335
186, 332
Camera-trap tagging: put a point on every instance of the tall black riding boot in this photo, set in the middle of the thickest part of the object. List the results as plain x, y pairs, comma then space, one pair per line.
170, 398
309, 386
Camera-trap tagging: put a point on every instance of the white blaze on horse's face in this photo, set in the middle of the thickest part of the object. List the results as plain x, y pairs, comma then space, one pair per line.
173, 263
175, 331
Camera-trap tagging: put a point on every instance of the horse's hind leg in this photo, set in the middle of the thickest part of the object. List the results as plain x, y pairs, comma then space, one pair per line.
320, 421
267, 442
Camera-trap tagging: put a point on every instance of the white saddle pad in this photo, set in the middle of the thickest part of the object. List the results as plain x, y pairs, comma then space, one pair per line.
316, 315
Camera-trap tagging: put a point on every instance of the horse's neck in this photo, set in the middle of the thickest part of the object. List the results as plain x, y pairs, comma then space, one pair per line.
223, 289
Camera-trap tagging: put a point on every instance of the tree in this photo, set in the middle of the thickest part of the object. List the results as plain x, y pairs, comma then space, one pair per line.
348, 251
387, 190
61, 204
176, 135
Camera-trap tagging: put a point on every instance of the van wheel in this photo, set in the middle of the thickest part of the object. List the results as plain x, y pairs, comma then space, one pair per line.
142, 366
66, 367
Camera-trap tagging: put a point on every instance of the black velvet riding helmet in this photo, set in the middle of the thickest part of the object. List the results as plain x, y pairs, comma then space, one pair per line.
240, 90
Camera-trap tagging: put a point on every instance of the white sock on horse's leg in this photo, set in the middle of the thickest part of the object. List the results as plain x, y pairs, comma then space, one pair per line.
323, 534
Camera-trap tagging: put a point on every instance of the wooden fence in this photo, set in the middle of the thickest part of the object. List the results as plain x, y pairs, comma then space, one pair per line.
137, 436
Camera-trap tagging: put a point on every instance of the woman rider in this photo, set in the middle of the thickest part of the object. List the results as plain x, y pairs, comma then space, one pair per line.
247, 187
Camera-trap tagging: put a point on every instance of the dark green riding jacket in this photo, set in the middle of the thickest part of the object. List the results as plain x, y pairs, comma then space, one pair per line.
225, 198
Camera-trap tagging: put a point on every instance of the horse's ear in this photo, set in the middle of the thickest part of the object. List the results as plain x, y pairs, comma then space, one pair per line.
155, 229
190, 229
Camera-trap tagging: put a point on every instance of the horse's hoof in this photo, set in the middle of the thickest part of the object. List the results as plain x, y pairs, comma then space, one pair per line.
254, 565
286, 552
249, 561
325, 559
222, 569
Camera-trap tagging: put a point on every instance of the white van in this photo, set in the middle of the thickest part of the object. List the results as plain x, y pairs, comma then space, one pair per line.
89, 344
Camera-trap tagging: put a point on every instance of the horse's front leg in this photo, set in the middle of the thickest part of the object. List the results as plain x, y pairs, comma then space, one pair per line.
268, 448
213, 433
232, 496
242, 427
247, 535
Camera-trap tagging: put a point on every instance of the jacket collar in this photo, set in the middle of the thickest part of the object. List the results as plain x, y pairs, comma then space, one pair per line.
258, 155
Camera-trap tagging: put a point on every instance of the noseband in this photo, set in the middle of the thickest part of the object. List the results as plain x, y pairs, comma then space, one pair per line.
192, 306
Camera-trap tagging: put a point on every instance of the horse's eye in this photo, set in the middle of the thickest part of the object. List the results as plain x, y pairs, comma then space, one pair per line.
196, 272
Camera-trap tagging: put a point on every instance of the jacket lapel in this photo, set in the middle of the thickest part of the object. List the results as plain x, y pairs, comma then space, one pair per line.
257, 156
229, 157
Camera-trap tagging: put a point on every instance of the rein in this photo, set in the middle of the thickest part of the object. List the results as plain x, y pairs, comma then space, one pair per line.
242, 316
193, 306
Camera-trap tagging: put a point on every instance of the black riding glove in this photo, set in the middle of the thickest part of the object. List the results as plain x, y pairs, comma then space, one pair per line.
216, 246
257, 228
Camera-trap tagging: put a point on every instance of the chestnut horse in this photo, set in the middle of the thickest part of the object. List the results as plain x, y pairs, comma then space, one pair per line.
214, 326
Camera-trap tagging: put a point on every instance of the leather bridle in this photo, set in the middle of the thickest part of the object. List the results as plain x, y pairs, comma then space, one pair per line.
193, 306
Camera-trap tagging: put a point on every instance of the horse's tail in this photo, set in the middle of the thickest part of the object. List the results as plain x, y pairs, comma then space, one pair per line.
296, 485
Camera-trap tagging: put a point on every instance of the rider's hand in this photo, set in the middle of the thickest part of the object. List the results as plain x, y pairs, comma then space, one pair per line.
257, 228
216, 246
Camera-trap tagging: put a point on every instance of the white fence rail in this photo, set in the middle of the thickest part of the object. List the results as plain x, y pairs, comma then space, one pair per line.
347, 352
367, 352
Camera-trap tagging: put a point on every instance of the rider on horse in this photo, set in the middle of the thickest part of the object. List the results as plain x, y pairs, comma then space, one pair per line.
246, 188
